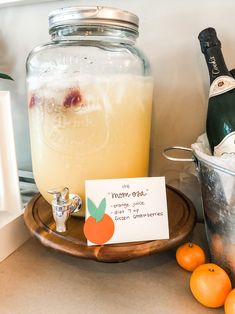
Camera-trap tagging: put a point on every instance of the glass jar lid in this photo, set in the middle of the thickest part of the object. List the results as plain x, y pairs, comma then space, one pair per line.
93, 15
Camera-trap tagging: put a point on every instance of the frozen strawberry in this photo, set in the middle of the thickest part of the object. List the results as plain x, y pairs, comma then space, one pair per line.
33, 100
73, 98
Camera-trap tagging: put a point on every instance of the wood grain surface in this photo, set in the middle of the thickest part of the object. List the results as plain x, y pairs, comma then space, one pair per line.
39, 220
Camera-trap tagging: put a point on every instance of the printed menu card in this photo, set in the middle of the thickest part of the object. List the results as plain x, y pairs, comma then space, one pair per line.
126, 210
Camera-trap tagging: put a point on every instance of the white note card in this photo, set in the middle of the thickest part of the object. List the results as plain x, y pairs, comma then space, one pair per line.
126, 210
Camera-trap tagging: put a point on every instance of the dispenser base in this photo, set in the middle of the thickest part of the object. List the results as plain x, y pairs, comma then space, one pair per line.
39, 220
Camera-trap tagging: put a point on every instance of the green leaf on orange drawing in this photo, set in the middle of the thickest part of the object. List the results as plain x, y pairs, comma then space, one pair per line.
102, 207
95, 212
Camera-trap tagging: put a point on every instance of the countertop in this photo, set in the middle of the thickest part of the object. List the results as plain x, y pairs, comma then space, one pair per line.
37, 280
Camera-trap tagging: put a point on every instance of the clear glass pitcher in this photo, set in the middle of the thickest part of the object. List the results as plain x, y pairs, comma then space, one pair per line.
89, 100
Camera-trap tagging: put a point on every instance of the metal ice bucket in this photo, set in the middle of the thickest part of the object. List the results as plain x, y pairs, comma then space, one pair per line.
218, 199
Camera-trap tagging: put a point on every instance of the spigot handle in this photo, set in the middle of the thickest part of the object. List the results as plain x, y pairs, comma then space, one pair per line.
60, 196
65, 195
56, 195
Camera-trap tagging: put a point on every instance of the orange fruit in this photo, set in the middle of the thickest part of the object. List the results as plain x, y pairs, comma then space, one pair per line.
190, 255
229, 305
210, 285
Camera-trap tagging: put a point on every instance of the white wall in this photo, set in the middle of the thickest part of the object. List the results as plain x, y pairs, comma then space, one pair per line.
168, 35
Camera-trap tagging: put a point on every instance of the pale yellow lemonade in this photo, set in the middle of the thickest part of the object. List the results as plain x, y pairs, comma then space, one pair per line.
93, 128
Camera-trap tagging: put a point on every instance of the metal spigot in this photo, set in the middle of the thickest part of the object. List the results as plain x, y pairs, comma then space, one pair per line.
63, 204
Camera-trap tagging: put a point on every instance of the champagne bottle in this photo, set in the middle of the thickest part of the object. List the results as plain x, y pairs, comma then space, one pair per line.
220, 123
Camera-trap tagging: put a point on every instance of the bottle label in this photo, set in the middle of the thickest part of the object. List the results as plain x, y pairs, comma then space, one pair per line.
226, 146
221, 85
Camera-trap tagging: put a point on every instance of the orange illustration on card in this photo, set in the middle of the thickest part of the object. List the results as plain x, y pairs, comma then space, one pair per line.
99, 227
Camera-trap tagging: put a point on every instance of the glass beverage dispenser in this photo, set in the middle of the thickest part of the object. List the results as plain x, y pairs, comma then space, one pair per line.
89, 100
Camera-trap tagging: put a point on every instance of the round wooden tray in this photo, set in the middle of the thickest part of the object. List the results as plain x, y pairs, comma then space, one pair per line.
38, 218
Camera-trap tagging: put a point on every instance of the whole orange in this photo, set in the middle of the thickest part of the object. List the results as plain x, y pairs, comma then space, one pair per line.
190, 255
210, 285
229, 305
